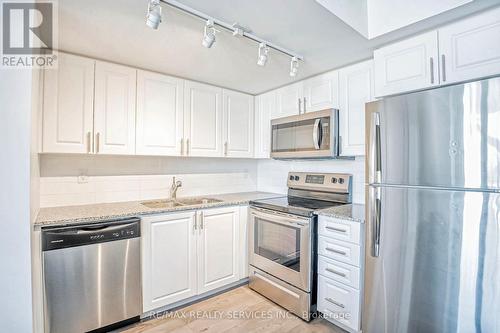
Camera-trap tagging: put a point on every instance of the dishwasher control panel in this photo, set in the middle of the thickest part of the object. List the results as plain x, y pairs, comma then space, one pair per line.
59, 238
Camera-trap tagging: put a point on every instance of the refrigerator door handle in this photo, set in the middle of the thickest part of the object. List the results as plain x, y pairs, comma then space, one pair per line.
375, 150
375, 219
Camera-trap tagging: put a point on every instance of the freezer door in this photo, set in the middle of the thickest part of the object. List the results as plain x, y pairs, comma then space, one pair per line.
447, 137
432, 261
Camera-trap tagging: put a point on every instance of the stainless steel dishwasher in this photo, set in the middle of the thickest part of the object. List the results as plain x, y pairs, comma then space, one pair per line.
92, 276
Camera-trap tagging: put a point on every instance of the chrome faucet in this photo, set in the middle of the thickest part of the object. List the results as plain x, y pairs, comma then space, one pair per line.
173, 189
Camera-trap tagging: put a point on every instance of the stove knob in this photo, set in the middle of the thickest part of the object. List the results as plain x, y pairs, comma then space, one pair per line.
297, 178
291, 177
334, 180
341, 180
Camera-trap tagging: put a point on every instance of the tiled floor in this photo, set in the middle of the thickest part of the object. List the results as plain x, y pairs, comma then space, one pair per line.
238, 310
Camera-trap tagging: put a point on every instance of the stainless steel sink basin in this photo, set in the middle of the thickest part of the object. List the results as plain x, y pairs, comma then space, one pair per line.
161, 204
197, 201
179, 202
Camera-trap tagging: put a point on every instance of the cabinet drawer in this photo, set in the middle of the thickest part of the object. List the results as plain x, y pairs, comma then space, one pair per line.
338, 271
342, 251
339, 303
339, 229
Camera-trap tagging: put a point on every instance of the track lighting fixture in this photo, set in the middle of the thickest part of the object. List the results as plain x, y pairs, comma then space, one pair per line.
153, 17
209, 35
294, 66
263, 51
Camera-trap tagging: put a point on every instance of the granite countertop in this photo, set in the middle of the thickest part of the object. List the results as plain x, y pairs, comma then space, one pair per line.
68, 215
351, 212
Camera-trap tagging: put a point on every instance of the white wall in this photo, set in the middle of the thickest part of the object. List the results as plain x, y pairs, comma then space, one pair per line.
272, 174
15, 249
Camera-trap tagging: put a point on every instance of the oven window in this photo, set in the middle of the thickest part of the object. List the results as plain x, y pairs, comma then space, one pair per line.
278, 243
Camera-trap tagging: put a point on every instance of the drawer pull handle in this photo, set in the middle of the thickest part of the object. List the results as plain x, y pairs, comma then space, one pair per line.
336, 229
342, 253
335, 272
340, 305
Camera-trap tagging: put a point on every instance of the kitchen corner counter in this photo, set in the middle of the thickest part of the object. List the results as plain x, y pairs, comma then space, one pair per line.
351, 212
68, 215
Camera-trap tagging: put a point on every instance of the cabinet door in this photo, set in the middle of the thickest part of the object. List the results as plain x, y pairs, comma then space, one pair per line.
68, 106
356, 89
321, 92
203, 119
238, 124
289, 101
408, 65
160, 125
168, 259
218, 248
470, 48
265, 105
114, 116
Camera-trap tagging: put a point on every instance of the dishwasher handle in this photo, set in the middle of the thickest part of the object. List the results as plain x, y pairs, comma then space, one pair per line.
107, 231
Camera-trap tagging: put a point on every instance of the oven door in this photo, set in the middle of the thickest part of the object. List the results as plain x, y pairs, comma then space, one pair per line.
310, 135
281, 245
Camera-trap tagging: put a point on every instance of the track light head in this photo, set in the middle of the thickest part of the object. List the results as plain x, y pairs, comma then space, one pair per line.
209, 35
263, 54
153, 16
294, 66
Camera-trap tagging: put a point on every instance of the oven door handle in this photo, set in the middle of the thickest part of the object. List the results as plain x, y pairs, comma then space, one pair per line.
301, 222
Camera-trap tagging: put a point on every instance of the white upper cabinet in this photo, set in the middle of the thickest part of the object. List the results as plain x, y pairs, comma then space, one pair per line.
114, 116
218, 248
470, 48
238, 124
408, 65
288, 101
202, 120
356, 89
168, 259
321, 92
160, 114
68, 106
265, 104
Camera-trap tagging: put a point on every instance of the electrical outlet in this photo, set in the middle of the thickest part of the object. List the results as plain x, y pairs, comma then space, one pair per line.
82, 179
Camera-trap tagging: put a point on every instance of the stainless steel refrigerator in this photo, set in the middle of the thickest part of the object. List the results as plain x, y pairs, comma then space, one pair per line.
432, 259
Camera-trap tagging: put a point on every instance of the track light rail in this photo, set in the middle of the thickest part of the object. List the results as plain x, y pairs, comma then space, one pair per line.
229, 27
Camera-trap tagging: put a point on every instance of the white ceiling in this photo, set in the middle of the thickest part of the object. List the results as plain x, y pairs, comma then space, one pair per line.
116, 31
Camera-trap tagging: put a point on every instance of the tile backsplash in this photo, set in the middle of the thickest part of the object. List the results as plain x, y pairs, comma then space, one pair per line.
73, 190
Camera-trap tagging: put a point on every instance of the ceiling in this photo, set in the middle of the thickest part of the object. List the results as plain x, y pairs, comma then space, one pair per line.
116, 31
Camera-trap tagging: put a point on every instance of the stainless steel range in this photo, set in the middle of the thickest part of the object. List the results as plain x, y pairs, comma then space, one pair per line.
282, 239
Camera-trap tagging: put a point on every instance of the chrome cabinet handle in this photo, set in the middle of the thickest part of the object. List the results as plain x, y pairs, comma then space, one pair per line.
195, 222
336, 229
432, 69
340, 305
300, 105
202, 220
305, 105
342, 253
375, 219
375, 162
443, 67
335, 272
225, 148
182, 147
97, 139
187, 147
89, 144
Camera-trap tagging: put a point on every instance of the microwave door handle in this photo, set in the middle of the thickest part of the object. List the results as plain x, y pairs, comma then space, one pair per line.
317, 134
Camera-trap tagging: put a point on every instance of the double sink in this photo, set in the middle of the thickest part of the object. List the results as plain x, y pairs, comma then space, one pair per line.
171, 203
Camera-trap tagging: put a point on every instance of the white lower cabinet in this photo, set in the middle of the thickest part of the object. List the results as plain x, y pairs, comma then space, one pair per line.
168, 259
340, 272
189, 253
218, 251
